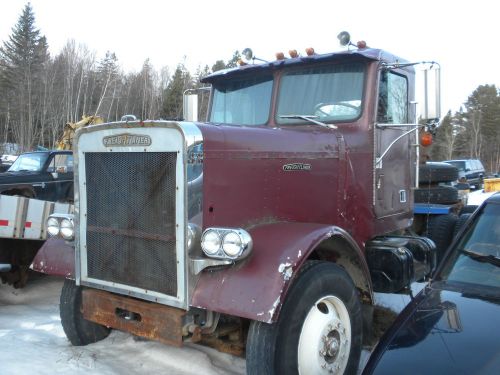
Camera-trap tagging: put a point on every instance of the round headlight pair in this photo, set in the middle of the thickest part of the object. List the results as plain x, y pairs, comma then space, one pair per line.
226, 243
62, 226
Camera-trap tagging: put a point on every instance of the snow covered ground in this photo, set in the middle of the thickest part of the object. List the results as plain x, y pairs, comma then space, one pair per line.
32, 341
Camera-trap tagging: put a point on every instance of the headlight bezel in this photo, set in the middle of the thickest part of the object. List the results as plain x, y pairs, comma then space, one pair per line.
242, 251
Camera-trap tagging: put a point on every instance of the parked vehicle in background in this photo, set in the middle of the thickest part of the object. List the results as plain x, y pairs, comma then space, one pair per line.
449, 328
471, 169
37, 184
45, 175
6, 161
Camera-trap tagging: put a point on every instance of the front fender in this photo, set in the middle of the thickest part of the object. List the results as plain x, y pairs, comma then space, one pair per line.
256, 288
56, 257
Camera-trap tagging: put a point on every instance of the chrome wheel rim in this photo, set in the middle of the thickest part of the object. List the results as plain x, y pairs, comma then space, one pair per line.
325, 338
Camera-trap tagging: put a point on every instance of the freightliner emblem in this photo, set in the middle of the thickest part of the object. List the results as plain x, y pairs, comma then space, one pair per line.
126, 140
296, 167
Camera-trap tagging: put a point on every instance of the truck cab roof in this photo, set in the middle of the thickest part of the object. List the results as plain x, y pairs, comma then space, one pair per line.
365, 53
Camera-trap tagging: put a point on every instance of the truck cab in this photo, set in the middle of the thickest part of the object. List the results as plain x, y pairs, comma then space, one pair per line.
45, 175
258, 230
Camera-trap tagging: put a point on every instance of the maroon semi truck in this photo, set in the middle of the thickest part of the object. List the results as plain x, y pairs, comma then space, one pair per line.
263, 231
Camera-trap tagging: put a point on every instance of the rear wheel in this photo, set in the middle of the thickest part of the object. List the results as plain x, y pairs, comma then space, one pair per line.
319, 330
78, 330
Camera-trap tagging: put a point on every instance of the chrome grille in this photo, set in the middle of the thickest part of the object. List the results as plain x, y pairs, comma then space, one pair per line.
131, 219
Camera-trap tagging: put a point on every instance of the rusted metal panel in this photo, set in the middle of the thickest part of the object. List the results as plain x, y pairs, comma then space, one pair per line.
145, 319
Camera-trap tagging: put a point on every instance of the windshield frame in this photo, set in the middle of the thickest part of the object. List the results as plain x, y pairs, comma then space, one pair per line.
42, 156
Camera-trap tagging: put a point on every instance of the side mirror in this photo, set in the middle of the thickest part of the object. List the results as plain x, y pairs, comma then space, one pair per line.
432, 93
55, 175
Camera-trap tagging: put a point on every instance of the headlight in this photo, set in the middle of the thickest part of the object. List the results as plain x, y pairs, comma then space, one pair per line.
67, 229
232, 244
225, 243
52, 226
61, 225
210, 242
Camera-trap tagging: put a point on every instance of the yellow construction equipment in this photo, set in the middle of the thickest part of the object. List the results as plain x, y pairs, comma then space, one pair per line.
66, 141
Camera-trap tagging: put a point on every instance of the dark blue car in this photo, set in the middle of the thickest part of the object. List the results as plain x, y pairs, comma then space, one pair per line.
453, 325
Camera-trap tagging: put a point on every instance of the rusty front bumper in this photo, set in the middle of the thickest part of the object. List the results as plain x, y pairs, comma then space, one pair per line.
141, 318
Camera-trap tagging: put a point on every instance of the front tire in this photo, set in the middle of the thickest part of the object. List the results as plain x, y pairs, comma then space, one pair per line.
78, 330
319, 330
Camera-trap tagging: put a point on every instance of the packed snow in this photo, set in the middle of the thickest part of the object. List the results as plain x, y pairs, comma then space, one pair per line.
32, 341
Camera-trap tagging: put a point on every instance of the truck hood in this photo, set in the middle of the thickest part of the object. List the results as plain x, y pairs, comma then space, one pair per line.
444, 332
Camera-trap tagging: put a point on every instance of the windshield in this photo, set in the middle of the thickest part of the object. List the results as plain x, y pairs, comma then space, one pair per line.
29, 162
476, 260
328, 93
242, 102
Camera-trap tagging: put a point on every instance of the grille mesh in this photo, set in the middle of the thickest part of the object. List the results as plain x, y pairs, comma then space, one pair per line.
131, 219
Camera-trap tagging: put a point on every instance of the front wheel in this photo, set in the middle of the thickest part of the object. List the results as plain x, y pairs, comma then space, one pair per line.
78, 330
319, 330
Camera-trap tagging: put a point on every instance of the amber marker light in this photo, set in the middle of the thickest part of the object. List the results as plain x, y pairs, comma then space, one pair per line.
280, 56
426, 139
361, 44
293, 53
309, 51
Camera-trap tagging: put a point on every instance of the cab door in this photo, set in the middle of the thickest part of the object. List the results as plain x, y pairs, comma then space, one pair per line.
60, 168
394, 162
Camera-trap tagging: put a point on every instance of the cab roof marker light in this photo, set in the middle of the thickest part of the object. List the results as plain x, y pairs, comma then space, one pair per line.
280, 56
310, 51
293, 53
361, 44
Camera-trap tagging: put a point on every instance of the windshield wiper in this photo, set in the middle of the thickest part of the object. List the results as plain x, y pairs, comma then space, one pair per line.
482, 257
309, 118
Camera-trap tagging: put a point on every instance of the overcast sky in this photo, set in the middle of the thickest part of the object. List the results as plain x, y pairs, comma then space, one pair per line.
460, 35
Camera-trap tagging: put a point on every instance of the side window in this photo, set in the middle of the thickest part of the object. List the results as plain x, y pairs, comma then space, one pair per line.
392, 99
62, 163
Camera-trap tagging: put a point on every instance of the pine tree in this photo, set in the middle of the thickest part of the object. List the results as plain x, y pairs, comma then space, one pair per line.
23, 59
172, 106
